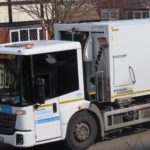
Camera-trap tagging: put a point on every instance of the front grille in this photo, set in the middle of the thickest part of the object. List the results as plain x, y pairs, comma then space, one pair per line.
7, 123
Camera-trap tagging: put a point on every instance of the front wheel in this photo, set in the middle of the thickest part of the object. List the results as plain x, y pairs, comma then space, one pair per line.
81, 132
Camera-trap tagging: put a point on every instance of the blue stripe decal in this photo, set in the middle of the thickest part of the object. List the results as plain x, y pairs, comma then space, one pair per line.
46, 120
7, 109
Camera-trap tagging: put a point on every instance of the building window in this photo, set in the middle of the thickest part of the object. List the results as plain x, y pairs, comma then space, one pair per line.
26, 35
110, 15
130, 15
138, 14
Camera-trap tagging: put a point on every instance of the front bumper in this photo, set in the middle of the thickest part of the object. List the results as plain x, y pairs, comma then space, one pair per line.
19, 139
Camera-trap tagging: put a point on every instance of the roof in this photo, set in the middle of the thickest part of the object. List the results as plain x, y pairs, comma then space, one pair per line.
127, 22
37, 47
98, 26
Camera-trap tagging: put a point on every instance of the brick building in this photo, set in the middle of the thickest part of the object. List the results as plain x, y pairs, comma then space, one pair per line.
123, 9
137, 9
111, 9
18, 26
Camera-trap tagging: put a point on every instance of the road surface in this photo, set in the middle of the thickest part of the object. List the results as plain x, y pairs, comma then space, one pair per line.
131, 139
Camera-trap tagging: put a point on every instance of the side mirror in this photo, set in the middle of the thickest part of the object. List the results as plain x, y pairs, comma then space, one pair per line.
40, 90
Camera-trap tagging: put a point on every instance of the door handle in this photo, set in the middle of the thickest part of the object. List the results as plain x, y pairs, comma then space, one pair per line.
54, 107
132, 74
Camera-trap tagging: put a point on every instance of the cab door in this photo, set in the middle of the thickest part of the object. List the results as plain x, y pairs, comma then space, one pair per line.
47, 121
47, 115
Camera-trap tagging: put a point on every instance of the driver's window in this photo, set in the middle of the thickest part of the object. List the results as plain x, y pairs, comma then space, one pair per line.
58, 71
45, 68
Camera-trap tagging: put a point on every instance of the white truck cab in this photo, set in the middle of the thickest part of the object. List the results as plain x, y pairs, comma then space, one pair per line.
41, 88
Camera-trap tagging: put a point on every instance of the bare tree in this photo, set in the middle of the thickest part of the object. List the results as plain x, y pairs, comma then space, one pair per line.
49, 12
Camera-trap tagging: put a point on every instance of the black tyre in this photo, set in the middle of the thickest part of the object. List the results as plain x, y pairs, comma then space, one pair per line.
81, 132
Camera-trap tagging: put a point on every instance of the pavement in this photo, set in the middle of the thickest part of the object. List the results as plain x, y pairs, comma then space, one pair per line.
131, 139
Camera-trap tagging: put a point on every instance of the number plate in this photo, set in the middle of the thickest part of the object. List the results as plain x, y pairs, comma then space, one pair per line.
1, 139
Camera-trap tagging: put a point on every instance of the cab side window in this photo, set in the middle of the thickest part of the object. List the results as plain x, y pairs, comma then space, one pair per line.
67, 72
59, 71
45, 68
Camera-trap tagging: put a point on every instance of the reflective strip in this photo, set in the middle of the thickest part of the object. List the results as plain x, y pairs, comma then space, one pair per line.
92, 93
74, 100
131, 93
46, 105
64, 102
115, 30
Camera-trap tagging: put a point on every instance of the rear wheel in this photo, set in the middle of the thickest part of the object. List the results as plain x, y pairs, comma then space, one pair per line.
82, 131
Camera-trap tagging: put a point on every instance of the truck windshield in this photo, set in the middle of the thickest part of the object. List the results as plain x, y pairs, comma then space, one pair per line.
10, 79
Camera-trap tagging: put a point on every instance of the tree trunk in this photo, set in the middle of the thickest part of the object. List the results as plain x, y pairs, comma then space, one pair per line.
43, 33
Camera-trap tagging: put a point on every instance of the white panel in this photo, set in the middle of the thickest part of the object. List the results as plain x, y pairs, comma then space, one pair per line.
19, 15
4, 14
132, 39
121, 71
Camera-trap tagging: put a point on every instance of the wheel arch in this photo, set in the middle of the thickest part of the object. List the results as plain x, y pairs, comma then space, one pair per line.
68, 111
96, 113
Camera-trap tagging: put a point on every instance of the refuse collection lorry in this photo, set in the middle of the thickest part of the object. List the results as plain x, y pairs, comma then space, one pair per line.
77, 92
116, 59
